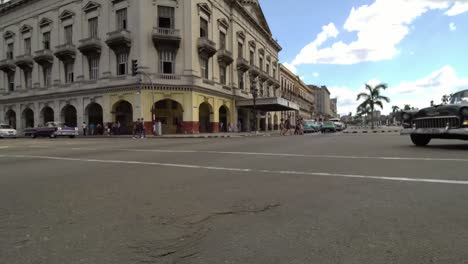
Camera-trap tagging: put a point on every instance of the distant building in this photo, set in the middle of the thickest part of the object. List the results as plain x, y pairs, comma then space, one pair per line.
333, 107
322, 101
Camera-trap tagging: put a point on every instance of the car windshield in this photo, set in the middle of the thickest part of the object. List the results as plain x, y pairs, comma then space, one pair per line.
5, 127
461, 97
309, 124
328, 123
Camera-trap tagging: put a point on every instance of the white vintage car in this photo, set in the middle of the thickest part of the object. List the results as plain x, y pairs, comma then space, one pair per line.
6, 131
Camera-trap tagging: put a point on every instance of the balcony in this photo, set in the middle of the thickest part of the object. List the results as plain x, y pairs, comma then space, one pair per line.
263, 76
168, 76
225, 57
7, 65
254, 71
44, 57
119, 40
65, 52
270, 81
166, 37
24, 61
206, 47
90, 46
242, 64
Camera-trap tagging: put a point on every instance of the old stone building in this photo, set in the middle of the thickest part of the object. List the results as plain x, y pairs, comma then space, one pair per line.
199, 62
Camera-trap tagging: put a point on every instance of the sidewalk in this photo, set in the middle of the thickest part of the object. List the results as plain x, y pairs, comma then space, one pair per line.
204, 135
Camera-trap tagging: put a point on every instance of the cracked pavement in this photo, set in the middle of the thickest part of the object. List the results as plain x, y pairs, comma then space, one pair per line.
124, 201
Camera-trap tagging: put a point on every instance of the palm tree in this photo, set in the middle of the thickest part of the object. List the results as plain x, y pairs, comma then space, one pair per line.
363, 111
445, 99
373, 98
407, 107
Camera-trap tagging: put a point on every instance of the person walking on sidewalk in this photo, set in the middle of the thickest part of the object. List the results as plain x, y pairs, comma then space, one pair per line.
84, 126
136, 129
142, 129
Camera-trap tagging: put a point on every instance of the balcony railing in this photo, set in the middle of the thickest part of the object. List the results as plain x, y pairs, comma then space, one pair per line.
168, 76
206, 47
169, 37
170, 32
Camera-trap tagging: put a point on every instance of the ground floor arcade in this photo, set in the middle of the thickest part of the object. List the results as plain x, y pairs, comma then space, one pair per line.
178, 111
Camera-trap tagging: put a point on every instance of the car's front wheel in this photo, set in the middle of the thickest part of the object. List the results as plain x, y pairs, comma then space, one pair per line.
420, 140
52, 136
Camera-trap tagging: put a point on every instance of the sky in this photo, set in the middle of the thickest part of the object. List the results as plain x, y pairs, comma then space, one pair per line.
419, 48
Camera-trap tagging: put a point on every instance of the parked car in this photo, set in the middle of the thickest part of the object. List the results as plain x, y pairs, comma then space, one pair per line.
328, 126
52, 130
311, 126
440, 121
338, 124
6, 131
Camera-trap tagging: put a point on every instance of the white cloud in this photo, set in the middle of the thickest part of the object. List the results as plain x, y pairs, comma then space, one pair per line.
458, 8
290, 67
316, 74
380, 27
452, 26
418, 93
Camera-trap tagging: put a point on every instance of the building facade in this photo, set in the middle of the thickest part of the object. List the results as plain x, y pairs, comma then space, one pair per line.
322, 102
200, 63
333, 107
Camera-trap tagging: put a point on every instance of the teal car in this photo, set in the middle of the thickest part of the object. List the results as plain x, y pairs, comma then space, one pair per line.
328, 126
311, 127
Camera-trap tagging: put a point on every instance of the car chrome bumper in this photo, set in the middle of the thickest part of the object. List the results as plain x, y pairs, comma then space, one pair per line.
435, 131
8, 136
66, 133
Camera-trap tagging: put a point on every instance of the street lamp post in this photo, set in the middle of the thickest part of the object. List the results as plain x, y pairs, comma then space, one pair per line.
254, 91
153, 114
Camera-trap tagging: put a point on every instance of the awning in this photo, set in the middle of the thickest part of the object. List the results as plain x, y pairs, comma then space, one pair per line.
271, 104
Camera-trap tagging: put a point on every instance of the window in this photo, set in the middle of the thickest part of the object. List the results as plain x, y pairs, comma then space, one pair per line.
122, 63
68, 34
9, 53
121, 19
11, 81
28, 79
240, 50
94, 68
268, 68
260, 62
46, 40
252, 62
47, 72
93, 27
222, 74
165, 17
241, 80
222, 40
204, 67
274, 72
68, 72
166, 62
203, 28
27, 46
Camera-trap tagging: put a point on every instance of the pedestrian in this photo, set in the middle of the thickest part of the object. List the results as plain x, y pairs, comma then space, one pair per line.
118, 128
99, 129
84, 126
136, 126
92, 129
282, 127
142, 129
287, 127
221, 127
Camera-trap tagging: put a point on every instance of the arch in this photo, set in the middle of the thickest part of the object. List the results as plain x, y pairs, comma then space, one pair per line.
122, 113
205, 117
171, 114
224, 118
275, 122
47, 115
27, 118
68, 116
94, 114
10, 118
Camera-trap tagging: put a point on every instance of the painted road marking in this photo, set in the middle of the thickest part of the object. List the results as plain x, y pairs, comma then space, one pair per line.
187, 166
4, 147
295, 155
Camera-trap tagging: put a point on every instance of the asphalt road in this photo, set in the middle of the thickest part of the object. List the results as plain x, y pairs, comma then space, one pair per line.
314, 199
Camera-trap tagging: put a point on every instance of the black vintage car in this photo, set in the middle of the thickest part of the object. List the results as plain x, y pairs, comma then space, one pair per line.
52, 130
441, 121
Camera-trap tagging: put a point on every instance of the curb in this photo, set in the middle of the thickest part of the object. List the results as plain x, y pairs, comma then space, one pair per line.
371, 131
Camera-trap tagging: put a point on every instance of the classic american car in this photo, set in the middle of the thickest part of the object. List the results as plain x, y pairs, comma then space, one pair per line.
6, 131
52, 130
310, 126
328, 126
441, 121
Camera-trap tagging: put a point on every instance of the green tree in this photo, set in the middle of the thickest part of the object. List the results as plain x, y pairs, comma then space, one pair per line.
395, 110
407, 107
372, 98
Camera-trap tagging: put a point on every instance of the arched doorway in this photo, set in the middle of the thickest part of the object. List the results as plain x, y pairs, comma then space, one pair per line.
123, 114
223, 119
94, 114
47, 115
275, 122
170, 113
68, 116
10, 118
28, 118
204, 117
